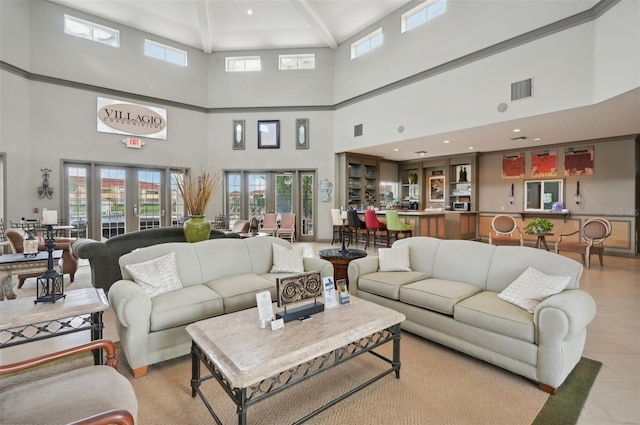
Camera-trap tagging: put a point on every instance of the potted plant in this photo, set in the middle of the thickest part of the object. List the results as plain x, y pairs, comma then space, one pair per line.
196, 193
539, 225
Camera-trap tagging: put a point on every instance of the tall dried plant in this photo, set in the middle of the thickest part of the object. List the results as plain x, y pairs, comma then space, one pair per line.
197, 192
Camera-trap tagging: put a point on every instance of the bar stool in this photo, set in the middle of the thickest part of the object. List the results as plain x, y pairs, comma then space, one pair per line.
374, 226
395, 227
355, 225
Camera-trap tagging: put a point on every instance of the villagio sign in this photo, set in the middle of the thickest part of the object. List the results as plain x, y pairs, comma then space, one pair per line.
115, 116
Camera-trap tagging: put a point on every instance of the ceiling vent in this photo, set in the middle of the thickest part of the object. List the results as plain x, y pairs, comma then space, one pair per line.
515, 139
357, 130
522, 89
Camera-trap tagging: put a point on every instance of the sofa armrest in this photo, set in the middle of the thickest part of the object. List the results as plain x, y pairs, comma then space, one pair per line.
576, 309
323, 266
131, 304
360, 267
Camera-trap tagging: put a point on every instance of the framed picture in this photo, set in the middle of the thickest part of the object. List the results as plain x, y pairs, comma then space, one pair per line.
269, 134
302, 133
238, 134
436, 189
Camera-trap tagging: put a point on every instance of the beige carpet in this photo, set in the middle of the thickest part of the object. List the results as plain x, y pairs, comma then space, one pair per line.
436, 386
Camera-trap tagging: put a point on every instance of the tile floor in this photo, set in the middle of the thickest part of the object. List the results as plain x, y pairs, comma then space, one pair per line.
613, 337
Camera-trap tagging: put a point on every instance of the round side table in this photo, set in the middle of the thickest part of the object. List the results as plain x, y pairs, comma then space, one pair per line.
340, 261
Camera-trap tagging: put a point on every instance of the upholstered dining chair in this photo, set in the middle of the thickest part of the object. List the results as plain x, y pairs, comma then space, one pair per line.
591, 241
502, 231
374, 227
337, 225
356, 226
269, 223
287, 227
241, 226
69, 261
395, 227
91, 395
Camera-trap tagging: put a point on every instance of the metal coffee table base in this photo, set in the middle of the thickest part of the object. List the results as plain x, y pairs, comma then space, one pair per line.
245, 397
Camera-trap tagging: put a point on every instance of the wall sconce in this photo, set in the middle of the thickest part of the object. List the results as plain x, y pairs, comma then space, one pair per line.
45, 190
511, 195
577, 197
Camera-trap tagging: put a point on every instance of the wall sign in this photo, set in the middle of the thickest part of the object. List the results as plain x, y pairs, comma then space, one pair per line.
115, 116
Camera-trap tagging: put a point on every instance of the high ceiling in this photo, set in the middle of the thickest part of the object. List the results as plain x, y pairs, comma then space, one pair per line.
231, 25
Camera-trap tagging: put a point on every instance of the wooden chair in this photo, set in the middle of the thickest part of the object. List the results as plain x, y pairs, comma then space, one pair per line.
92, 395
374, 228
592, 236
287, 227
395, 227
502, 231
269, 223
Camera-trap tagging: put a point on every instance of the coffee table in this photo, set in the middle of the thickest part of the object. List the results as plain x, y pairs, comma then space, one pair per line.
251, 363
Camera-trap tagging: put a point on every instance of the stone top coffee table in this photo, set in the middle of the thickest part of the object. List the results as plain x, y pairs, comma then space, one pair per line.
241, 355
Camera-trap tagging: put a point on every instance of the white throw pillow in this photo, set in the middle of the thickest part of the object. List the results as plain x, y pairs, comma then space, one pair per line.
394, 259
286, 260
532, 287
156, 276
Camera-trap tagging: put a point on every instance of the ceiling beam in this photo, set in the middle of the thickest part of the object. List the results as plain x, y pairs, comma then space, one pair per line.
312, 18
202, 9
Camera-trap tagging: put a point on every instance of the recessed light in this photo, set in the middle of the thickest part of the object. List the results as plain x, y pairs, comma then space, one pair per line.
421, 153
470, 148
446, 141
249, 12
537, 139
396, 150
516, 130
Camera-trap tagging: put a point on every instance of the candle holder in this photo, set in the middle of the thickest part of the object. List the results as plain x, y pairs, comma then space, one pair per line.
343, 249
50, 283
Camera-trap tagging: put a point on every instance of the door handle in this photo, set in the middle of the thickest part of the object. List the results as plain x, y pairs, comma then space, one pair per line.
135, 210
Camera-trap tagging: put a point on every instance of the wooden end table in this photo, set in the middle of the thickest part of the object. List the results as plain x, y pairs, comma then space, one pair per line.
340, 261
13, 264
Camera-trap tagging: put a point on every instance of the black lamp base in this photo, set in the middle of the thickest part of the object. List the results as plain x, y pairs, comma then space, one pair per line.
50, 283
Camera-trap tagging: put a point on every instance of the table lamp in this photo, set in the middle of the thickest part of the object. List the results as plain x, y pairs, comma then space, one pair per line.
50, 283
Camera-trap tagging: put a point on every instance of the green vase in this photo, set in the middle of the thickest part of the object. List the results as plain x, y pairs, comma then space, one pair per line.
197, 229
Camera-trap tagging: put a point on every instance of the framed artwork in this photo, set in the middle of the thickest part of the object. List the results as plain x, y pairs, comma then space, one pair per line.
544, 163
300, 287
269, 134
578, 161
238, 134
302, 133
513, 166
436, 189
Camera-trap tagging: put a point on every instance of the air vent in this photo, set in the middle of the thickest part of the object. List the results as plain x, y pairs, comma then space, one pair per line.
357, 130
519, 138
521, 89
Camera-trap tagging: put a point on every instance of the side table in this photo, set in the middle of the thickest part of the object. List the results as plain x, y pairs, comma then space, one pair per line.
542, 240
22, 321
340, 261
12, 264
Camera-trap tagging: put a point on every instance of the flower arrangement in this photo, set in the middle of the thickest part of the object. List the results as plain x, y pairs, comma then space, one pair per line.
197, 192
539, 225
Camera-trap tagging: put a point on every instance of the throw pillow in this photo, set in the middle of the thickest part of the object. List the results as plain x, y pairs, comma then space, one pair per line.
394, 259
532, 287
156, 276
286, 260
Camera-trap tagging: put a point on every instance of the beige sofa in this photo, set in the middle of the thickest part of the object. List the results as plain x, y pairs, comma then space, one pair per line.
451, 297
218, 276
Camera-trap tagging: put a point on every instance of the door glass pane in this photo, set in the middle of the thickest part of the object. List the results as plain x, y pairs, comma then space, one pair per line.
307, 194
149, 210
77, 195
113, 201
532, 191
257, 191
283, 201
234, 191
177, 203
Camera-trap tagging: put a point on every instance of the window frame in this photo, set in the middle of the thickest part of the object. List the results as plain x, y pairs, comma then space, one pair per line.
166, 49
299, 57
229, 59
422, 7
93, 26
366, 40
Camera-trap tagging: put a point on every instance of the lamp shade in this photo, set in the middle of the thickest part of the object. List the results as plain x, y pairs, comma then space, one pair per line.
49, 217
343, 215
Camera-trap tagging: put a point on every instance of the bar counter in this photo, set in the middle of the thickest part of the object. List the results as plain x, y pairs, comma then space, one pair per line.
436, 223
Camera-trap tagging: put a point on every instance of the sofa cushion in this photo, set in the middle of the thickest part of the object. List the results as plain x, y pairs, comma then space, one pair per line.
532, 287
184, 306
394, 259
387, 284
486, 311
286, 260
436, 294
156, 276
239, 292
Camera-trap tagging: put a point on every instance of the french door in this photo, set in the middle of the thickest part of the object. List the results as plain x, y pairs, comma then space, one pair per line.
252, 193
120, 199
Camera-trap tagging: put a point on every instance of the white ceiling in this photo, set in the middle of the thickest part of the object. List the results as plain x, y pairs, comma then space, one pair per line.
226, 25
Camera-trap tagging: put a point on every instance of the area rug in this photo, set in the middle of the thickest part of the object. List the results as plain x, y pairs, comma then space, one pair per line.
436, 386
